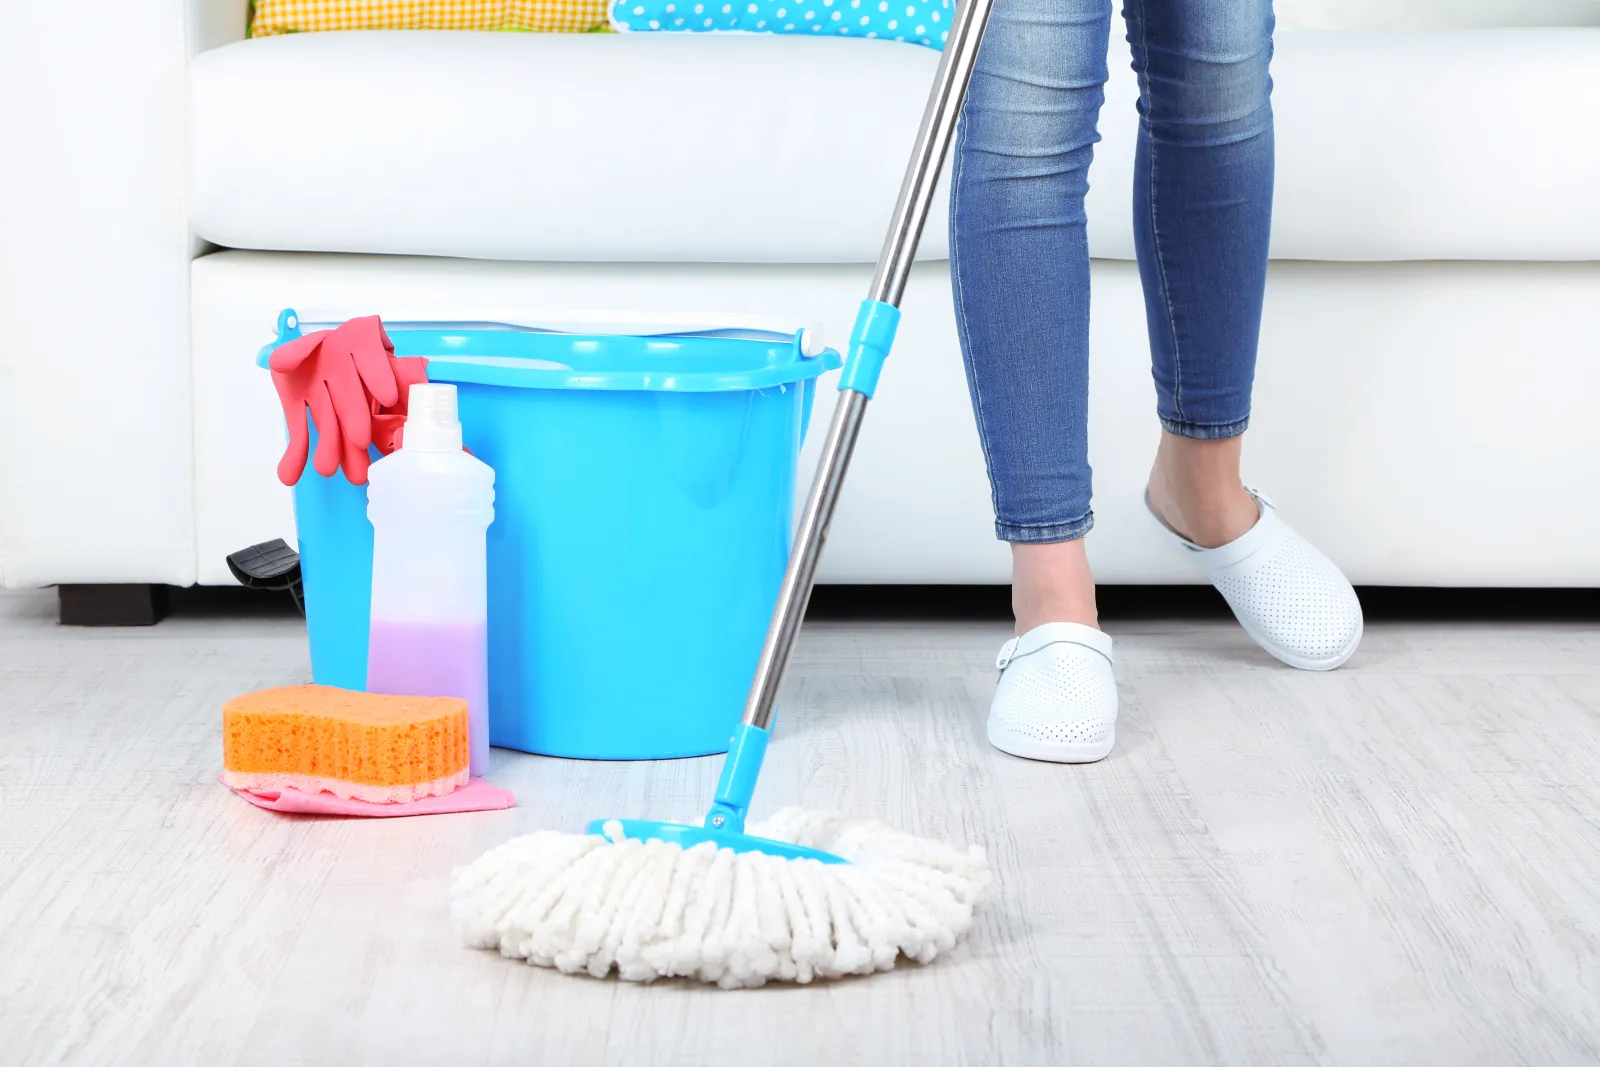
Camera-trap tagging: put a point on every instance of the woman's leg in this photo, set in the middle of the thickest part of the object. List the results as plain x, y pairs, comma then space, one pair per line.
1020, 267
1202, 212
1202, 216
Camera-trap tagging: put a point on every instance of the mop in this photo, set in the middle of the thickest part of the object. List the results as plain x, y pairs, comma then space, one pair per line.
802, 895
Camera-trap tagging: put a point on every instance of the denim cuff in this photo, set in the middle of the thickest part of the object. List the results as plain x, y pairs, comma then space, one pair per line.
1203, 432
1043, 535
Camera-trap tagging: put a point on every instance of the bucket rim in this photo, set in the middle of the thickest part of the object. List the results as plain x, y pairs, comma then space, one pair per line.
482, 352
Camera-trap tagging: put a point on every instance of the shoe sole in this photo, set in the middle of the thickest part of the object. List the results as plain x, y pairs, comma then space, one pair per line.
1052, 751
1289, 658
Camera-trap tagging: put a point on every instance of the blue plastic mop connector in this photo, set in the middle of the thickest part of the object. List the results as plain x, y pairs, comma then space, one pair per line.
870, 341
740, 769
724, 825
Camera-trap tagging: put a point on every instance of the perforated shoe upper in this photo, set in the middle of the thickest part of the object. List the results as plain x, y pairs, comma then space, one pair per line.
1288, 596
1295, 600
1056, 687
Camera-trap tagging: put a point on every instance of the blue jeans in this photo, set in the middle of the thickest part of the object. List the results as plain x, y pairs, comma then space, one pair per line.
1202, 209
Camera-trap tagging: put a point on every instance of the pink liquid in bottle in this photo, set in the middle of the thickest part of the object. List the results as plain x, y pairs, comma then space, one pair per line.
436, 659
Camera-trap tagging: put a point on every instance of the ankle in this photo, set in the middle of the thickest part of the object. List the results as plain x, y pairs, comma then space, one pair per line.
1051, 583
1196, 489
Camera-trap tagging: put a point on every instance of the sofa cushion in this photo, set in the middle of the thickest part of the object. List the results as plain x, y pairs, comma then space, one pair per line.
634, 147
708, 148
1432, 14
1450, 144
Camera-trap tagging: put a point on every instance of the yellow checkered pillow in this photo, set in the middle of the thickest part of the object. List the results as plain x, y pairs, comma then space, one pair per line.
540, 16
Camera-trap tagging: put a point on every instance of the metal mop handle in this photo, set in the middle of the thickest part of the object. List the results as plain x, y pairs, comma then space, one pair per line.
869, 344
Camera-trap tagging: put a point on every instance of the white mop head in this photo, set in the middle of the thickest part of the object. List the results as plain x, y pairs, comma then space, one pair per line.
648, 909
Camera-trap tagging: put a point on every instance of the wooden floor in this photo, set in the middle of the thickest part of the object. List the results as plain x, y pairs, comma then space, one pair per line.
1398, 863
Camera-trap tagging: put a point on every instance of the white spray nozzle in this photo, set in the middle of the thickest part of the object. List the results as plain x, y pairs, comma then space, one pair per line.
432, 422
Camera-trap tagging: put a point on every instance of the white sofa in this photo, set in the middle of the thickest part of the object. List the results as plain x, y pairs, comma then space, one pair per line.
1430, 360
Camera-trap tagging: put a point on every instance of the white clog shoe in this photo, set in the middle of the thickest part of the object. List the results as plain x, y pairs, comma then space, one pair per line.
1057, 698
1290, 598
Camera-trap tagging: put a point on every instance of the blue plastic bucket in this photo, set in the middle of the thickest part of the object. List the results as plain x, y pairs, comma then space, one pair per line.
644, 492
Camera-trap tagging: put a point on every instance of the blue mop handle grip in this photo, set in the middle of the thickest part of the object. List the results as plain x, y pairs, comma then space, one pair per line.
870, 341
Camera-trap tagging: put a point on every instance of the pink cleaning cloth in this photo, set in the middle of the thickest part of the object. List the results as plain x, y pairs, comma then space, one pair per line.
476, 795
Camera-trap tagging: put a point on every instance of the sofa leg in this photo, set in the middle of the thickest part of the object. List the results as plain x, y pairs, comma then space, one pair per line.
112, 605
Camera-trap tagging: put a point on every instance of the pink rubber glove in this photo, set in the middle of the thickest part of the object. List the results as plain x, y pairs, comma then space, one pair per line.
342, 376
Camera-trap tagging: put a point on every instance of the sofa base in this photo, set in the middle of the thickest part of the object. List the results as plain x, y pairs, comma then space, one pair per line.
113, 605
1423, 424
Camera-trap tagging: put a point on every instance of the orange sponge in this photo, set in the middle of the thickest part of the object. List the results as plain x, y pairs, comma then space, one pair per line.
362, 746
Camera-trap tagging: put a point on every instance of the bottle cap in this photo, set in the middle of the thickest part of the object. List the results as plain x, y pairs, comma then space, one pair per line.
432, 422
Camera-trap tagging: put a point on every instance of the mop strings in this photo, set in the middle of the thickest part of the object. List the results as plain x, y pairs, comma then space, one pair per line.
648, 909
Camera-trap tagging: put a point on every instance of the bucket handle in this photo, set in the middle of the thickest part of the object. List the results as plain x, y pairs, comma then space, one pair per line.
808, 345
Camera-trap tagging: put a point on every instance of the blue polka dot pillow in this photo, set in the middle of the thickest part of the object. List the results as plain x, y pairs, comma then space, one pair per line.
923, 22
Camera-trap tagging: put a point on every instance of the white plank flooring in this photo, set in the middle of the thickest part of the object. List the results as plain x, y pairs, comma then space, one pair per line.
1398, 863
